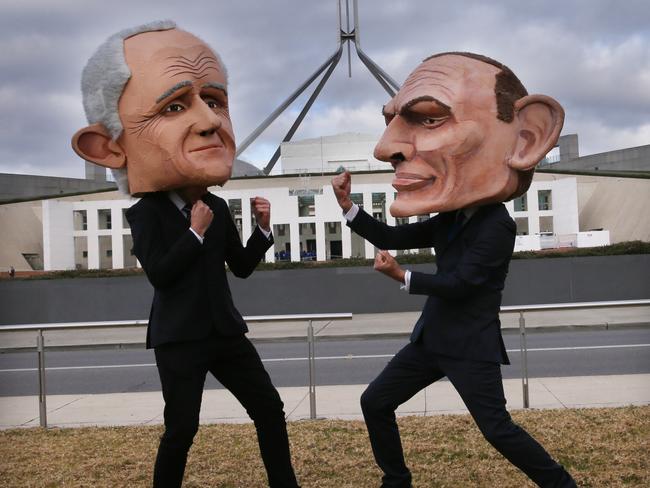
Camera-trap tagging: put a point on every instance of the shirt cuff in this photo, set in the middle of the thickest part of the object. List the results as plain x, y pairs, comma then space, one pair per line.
352, 213
407, 282
197, 235
267, 233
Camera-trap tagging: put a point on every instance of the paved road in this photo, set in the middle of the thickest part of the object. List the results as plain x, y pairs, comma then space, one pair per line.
551, 354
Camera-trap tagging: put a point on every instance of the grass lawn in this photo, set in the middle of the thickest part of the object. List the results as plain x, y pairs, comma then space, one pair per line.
604, 448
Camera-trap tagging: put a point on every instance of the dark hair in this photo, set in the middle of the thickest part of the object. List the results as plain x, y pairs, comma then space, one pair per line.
507, 87
507, 90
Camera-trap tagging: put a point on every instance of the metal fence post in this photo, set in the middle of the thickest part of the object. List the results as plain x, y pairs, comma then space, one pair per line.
524, 359
312, 371
42, 405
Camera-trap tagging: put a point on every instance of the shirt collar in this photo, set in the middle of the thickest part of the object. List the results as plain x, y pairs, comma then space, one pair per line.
469, 212
176, 199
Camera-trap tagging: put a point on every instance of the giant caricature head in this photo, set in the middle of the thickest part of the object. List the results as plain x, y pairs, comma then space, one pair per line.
157, 104
463, 131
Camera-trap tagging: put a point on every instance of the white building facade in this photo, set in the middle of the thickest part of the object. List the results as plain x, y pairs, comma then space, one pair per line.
307, 221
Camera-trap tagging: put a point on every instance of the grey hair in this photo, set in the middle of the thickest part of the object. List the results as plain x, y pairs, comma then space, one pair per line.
104, 77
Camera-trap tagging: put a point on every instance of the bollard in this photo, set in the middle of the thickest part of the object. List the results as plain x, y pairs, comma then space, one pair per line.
42, 406
524, 359
312, 371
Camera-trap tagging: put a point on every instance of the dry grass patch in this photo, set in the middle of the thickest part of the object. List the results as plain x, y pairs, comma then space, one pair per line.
601, 448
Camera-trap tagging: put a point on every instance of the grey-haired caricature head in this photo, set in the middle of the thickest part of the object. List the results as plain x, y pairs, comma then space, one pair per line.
157, 103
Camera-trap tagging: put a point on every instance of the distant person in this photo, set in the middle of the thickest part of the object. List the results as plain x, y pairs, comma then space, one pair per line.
463, 135
157, 101
12, 272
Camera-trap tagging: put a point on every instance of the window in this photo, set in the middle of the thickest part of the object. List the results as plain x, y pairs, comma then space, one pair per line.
357, 198
81, 252
105, 252
379, 206
522, 226
80, 219
282, 242
546, 225
521, 203
306, 206
104, 216
544, 199
235, 212
125, 223
129, 257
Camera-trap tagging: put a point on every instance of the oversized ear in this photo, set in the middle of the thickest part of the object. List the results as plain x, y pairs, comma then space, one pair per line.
94, 143
540, 120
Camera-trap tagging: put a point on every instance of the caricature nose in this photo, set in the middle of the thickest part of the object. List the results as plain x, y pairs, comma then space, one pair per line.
395, 145
207, 122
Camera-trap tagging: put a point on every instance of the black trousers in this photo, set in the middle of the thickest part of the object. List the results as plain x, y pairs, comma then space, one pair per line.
234, 362
479, 385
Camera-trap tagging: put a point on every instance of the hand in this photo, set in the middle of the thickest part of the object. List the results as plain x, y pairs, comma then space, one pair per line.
386, 264
262, 210
201, 217
342, 183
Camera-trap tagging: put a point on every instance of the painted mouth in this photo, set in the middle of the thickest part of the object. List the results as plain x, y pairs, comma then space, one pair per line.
207, 148
411, 182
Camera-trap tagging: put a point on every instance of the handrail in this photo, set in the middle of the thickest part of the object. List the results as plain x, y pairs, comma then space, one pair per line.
139, 322
310, 318
319, 317
40, 345
575, 305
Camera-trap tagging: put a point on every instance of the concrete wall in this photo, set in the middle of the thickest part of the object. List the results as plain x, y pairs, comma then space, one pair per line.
357, 290
14, 186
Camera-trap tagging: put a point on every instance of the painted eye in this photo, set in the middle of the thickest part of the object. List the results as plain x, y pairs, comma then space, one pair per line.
174, 107
431, 122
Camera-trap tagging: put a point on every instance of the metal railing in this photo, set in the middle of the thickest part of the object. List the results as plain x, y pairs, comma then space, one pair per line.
554, 308
309, 318
40, 345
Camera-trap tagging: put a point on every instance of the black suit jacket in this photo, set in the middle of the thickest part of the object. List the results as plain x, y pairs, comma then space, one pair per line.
461, 315
191, 293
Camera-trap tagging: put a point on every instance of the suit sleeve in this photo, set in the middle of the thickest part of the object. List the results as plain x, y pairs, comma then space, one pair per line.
490, 251
243, 260
163, 266
384, 236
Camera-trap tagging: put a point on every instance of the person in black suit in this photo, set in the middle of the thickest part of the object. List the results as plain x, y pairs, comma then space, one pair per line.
463, 136
171, 138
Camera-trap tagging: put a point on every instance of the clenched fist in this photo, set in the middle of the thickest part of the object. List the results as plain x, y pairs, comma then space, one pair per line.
261, 208
201, 217
386, 264
342, 183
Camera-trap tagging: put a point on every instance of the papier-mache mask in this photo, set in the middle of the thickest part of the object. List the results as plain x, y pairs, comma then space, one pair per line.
173, 127
462, 131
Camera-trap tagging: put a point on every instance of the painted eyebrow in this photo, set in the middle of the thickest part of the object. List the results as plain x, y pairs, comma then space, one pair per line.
173, 89
425, 98
218, 86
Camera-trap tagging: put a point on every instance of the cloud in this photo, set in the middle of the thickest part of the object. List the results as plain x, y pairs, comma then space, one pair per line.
593, 56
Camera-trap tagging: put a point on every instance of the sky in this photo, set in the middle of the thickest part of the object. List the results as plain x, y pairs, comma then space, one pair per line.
593, 56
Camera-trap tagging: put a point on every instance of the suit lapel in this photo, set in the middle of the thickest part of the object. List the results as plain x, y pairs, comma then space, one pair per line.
171, 216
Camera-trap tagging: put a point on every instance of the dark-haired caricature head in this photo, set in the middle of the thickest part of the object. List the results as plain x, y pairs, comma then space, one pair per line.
462, 131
